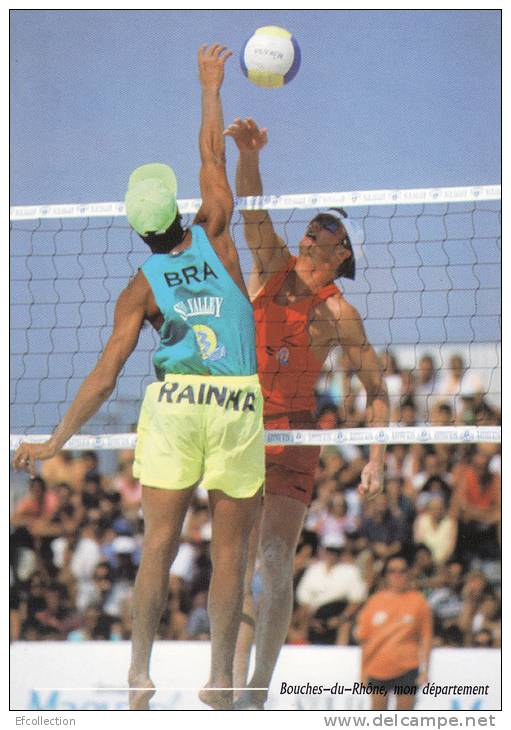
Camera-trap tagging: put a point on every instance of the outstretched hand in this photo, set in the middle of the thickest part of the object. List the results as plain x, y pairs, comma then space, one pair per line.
27, 454
371, 480
211, 65
247, 135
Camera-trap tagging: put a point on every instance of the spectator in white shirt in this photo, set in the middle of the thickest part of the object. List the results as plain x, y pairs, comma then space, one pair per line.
86, 556
393, 382
330, 592
431, 467
436, 529
336, 524
458, 383
425, 388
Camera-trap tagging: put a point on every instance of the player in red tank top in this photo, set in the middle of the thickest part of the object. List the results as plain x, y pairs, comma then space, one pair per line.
288, 370
287, 366
300, 315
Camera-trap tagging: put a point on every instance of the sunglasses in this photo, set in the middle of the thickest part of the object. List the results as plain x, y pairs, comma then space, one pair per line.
332, 226
329, 226
326, 223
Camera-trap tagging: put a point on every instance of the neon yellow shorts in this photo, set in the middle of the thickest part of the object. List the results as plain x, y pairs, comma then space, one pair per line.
207, 429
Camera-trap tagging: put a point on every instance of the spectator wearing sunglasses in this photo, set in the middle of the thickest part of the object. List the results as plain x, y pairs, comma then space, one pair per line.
395, 632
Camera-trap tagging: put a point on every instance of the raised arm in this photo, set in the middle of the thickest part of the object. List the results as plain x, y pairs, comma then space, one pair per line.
269, 251
363, 361
217, 204
99, 384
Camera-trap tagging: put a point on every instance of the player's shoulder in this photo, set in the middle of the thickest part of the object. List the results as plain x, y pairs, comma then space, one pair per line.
136, 292
339, 309
137, 284
217, 232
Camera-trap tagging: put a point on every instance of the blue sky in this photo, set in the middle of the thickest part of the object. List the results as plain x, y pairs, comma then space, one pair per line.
384, 99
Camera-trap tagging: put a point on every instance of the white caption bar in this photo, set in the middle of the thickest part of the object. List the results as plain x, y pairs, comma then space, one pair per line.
276, 202
354, 436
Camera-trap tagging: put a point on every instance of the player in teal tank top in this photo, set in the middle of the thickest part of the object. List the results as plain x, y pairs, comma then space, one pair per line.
201, 421
207, 320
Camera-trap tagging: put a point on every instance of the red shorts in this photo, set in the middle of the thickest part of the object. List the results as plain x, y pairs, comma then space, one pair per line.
290, 469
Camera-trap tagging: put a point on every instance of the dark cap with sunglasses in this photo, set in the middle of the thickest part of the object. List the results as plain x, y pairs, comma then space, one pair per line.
332, 222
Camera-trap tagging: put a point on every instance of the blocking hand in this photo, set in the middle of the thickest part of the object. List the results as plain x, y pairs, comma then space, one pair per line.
211, 65
247, 135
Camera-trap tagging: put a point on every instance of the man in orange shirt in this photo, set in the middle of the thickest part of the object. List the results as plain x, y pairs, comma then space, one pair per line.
480, 491
300, 315
478, 495
395, 632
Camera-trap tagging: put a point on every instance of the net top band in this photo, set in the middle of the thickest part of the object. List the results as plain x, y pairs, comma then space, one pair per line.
356, 198
313, 437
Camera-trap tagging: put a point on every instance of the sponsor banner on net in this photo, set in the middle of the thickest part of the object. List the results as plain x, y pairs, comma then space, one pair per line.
78, 210
370, 197
80, 442
354, 436
284, 202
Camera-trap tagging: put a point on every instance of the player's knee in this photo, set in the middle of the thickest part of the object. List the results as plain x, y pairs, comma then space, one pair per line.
230, 555
276, 557
161, 542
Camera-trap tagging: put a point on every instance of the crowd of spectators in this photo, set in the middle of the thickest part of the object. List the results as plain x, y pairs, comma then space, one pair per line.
76, 535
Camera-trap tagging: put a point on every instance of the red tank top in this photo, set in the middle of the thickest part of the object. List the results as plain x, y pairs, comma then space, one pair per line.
287, 367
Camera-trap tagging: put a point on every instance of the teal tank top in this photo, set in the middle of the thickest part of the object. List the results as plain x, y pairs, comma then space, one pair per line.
208, 326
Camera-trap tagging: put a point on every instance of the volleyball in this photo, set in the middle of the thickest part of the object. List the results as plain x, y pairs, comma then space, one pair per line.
271, 57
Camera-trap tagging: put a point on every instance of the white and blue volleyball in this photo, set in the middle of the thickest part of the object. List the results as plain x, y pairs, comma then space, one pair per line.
271, 57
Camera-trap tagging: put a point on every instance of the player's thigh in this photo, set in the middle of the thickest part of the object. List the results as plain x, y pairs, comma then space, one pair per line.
164, 510
253, 544
232, 521
290, 471
170, 442
283, 517
234, 449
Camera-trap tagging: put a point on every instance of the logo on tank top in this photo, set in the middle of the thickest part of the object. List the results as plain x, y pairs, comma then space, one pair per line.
283, 356
199, 306
188, 274
204, 394
208, 343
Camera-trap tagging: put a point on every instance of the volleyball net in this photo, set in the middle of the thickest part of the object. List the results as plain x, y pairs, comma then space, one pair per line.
428, 289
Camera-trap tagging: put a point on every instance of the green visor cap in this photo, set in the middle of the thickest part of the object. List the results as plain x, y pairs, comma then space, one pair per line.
151, 205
